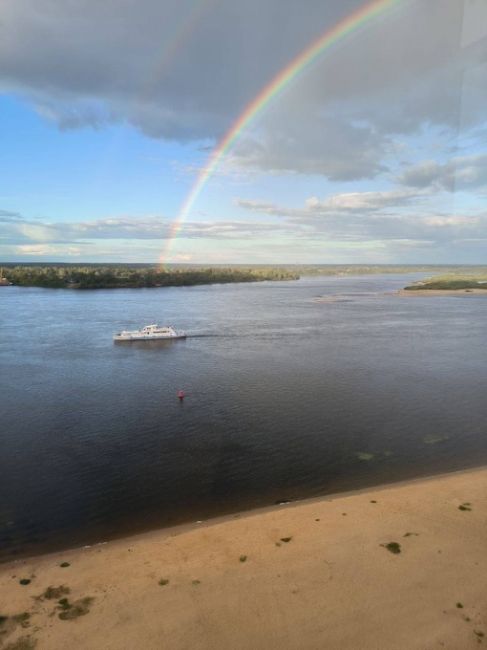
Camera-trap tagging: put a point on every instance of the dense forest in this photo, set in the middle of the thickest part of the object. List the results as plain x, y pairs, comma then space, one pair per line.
124, 276
112, 276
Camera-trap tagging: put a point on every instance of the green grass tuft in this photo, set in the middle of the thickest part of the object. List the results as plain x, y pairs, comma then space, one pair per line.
23, 619
52, 593
78, 608
393, 547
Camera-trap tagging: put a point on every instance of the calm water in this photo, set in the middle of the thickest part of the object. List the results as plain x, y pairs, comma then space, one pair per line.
284, 397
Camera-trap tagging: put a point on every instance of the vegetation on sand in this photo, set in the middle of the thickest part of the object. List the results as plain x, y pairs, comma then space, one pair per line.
70, 611
393, 547
452, 282
55, 592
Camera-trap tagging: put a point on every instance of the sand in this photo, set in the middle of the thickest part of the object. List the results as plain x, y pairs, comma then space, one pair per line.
312, 575
442, 292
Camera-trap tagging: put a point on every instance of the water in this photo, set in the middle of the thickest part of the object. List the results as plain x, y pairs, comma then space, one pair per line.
286, 398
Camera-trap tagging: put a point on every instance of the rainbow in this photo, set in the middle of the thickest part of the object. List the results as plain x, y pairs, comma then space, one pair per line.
347, 26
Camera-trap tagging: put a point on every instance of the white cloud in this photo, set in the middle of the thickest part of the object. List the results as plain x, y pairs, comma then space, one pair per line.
453, 220
364, 201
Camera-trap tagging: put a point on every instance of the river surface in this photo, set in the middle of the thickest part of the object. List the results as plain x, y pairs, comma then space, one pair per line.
287, 398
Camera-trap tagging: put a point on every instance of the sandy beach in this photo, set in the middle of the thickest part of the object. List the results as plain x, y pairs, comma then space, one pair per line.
398, 567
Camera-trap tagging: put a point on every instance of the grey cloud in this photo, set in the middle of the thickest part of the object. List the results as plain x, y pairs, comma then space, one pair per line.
185, 70
331, 147
458, 173
8, 216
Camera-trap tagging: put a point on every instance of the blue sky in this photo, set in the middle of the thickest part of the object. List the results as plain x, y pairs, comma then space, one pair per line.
375, 154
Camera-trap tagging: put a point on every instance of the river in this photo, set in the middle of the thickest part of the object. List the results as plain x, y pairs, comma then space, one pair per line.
287, 397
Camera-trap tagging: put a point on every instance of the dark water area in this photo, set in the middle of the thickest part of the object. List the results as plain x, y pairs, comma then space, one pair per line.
287, 398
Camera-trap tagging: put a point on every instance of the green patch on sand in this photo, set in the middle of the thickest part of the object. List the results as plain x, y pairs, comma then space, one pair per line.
52, 593
22, 619
8, 625
71, 611
393, 547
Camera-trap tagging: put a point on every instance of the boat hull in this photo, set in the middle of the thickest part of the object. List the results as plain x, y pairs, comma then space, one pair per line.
148, 337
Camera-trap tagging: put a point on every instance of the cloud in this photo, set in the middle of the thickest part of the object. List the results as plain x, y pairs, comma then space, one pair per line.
439, 221
333, 147
48, 250
345, 202
134, 229
364, 201
185, 70
458, 173
386, 216
7, 215
306, 234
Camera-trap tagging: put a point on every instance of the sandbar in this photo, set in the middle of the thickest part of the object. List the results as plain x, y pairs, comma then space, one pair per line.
442, 292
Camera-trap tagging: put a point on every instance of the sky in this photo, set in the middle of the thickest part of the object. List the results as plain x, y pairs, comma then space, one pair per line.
110, 112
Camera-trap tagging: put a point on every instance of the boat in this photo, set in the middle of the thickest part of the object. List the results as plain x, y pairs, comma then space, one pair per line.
149, 333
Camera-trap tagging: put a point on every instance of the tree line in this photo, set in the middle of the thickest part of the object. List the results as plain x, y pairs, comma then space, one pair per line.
113, 277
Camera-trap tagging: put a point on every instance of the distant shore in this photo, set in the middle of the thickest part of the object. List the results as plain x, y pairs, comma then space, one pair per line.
397, 567
442, 292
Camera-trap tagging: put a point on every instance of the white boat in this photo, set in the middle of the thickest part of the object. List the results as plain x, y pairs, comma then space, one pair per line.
149, 333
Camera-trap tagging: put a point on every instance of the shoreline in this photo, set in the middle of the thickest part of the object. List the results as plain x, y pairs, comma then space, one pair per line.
199, 524
311, 573
442, 292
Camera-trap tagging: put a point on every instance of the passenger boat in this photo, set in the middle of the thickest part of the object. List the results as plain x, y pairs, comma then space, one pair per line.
149, 333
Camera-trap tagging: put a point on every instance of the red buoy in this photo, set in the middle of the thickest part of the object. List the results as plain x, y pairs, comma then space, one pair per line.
181, 395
